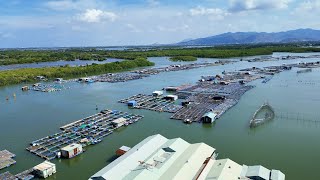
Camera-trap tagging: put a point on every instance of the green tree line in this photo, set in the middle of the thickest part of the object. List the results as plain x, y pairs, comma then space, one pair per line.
35, 56
29, 74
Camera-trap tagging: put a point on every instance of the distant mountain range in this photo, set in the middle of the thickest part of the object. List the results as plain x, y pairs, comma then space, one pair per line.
299, 35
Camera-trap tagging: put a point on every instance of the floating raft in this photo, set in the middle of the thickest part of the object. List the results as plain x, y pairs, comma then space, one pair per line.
6, 159
268, 114
304, 70
153, 103
7, 176
86, 131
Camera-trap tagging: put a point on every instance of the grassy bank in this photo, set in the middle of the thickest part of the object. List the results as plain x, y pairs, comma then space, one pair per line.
183, 58
32, 56
29, 74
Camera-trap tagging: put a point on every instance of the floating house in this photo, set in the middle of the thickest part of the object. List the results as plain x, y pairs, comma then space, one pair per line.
224, 83
42, 78
157, 157
71, 150
119, 122
157, 93
171, 97
25, 88
171, 88
44, 169
58, 80
88, 80
185, 103
209, 117
219, 98
132, 103
36, 85
122, 150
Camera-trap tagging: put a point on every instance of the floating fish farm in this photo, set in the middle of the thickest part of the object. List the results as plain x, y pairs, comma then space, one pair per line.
142, 73
153, 103
6, 159
86, 131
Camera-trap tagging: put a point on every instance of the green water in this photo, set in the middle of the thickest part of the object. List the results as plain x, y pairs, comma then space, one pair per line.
286, 144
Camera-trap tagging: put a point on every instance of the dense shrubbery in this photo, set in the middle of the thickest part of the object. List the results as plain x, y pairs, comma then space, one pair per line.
29, 74
31, 56
183, 58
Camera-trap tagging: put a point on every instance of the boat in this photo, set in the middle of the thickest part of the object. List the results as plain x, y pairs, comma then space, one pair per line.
268, 114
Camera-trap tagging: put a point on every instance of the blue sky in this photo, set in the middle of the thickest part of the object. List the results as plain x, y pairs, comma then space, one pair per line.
50, 23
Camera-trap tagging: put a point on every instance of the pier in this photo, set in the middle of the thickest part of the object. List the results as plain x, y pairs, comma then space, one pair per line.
86, 131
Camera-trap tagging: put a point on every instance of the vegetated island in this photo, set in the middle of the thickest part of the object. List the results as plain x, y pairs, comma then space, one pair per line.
19, 56
183, 58
28, 75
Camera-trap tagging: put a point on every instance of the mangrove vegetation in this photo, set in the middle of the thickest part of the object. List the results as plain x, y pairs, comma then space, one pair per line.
17, 56
29, 74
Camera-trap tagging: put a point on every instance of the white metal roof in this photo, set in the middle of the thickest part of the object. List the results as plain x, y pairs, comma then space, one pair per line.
119, 120
125, 148
43, 166
277, 175
70, 147
222, 169
259, 171
157, 157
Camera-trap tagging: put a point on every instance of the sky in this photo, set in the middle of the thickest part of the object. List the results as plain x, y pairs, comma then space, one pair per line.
63, 23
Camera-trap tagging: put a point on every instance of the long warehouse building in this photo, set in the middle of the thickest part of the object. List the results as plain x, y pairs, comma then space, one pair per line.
157, 157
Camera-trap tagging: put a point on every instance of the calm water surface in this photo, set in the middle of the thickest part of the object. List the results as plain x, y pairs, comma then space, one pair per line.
286, 144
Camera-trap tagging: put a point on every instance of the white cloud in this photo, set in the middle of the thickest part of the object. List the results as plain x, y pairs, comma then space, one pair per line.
96, 16
213, 12
308, 6
245, 5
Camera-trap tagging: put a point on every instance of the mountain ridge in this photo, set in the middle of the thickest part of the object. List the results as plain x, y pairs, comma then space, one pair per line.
298, 35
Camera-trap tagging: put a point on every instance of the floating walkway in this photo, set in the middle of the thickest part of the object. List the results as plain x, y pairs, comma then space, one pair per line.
86, 131
6, 159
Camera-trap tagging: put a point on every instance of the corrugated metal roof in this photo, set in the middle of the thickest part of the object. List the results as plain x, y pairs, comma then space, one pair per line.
211, 115
259, 171
223, 169
70, 147
150, 159
43, 166
119, 120
277, 175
